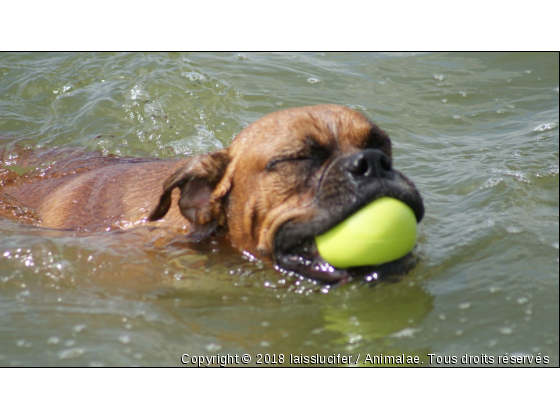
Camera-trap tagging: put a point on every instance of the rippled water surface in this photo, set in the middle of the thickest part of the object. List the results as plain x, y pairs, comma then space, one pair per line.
478, 133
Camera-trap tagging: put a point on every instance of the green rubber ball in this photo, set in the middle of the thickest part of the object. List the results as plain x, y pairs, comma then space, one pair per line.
382, 231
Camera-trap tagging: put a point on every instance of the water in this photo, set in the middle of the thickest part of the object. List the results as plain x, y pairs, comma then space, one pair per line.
478, 133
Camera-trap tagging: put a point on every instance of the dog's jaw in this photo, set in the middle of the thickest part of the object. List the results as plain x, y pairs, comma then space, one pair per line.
305, 260
294, 241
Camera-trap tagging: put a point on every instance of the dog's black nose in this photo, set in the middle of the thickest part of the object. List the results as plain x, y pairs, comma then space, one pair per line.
369, 164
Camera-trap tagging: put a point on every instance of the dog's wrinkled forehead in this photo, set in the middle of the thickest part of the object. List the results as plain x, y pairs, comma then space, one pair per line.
331, 127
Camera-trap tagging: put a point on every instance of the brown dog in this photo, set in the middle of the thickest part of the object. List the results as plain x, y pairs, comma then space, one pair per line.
285, 179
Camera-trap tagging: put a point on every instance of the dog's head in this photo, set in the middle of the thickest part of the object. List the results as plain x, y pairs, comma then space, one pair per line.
287, 178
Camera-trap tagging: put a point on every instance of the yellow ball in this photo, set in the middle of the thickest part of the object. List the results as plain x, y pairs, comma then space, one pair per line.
382, 231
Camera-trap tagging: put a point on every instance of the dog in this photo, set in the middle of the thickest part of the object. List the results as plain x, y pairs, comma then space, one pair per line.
286, 178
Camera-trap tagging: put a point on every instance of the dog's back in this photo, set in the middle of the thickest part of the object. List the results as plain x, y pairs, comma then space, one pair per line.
73, 189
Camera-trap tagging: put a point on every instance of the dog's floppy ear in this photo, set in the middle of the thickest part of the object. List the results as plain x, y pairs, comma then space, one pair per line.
197, 181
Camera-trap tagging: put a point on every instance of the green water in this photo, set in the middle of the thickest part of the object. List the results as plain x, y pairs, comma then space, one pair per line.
478, 134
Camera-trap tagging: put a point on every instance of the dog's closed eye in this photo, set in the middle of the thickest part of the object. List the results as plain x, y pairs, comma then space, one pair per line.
378, 139
272, 165
311, 154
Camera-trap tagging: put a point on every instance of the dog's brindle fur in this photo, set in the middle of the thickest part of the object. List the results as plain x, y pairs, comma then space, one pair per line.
285, 178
